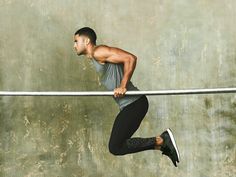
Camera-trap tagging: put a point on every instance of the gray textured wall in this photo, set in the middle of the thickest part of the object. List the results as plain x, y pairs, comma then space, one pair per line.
179, 44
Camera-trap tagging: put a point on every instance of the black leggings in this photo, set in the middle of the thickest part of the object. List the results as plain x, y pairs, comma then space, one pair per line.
126, 123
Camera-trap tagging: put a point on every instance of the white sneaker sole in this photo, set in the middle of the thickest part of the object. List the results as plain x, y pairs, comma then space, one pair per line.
173, 141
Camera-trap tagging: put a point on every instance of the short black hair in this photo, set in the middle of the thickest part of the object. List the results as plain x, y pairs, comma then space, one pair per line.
89, 32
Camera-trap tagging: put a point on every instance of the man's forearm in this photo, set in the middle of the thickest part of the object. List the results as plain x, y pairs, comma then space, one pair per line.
129, 67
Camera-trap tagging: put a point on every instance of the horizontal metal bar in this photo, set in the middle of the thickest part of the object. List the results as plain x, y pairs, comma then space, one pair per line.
110, 93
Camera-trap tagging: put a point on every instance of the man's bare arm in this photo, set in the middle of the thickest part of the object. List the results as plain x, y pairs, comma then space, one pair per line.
115, 55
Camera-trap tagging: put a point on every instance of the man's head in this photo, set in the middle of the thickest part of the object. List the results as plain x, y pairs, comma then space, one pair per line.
83, 38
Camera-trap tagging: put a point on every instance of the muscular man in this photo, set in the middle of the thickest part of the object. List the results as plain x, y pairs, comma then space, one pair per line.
116, 67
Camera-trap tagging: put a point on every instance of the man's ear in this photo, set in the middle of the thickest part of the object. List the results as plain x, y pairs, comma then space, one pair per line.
87, 40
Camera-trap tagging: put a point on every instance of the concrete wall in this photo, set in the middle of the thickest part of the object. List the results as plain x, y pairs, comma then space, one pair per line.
179, 44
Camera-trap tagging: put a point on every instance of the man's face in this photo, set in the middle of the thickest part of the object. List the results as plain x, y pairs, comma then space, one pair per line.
79, 44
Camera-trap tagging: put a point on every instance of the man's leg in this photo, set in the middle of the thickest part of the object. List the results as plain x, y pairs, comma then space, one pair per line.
127, 122
125, 125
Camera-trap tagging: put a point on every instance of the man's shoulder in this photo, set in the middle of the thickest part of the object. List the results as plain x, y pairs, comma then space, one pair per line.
101, 52
99, 47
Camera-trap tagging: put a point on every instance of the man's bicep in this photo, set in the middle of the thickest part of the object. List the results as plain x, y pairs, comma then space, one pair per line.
117, 55
115, 59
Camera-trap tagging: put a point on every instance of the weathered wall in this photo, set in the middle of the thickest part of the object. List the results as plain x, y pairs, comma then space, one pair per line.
179, 44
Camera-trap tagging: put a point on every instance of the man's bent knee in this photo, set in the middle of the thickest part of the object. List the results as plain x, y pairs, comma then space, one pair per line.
113, 149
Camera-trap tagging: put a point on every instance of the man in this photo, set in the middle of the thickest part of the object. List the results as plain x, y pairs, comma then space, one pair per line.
116, 67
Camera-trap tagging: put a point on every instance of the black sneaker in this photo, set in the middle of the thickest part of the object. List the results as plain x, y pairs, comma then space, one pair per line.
169, 147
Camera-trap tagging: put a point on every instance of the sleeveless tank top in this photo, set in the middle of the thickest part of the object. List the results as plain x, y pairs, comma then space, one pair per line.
111, 75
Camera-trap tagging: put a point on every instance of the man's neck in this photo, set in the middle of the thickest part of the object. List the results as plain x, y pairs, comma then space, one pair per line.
90, 51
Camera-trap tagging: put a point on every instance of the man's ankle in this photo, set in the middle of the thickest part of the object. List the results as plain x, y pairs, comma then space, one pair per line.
159, 142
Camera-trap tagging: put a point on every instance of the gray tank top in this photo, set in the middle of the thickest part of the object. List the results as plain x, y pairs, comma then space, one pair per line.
111, 75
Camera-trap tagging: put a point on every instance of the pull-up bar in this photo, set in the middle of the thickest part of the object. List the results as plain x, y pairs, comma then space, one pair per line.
110, 93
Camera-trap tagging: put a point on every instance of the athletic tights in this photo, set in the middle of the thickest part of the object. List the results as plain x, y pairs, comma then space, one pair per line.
126, 123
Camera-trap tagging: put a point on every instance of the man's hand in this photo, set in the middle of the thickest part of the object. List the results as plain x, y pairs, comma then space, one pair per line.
119, 92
